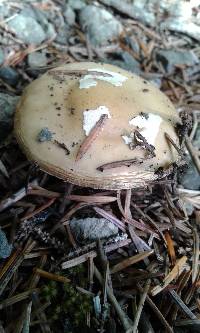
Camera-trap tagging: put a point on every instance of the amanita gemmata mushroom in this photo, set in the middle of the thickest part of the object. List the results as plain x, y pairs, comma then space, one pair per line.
97, 125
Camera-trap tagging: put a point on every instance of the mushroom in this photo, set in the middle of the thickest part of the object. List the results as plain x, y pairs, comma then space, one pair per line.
97, 125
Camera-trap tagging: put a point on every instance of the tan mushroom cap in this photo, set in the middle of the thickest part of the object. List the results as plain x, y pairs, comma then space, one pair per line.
60, 99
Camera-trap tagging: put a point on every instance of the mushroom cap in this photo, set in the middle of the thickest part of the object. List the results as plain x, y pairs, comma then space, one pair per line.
60, 110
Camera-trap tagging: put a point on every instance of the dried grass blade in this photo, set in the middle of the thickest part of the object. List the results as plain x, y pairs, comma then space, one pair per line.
130, 261
37, 190
188, 322
174, 144
127, 211
92, 254
140, 226
17, 298
148, 218
118, 164
110, 218
170, 247
184, 308
195, 262
51, 276
126, 322
162, 319
139, 242
5, 203
91, 137
3, 169
140, 306
12, 264
27, 319
91, 198
175, 272
38, 210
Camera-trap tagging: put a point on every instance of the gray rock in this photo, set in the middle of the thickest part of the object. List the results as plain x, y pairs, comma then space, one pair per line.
189, 208
50, 31
29, 12
4, 11
186, 27
37, 59
9, 75
196, 141
141, 10
1, 57
190, 177
175, 8
92, 228
5, 248
69, 15
77, 5
100, 25
27, 29
63, 35
170, 58
7, 108
128, 62
148, 11
41, 18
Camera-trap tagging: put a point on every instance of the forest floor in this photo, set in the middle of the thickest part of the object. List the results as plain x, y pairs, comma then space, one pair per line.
145, 278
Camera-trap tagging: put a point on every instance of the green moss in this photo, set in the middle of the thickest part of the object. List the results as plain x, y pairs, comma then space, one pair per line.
66, 303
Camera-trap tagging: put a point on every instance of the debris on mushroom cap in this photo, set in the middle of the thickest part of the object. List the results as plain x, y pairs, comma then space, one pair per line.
149, 126
97, 125
90, 80
90, 117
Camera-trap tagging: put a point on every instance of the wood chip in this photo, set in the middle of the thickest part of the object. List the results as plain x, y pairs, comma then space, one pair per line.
130, 261
91, 198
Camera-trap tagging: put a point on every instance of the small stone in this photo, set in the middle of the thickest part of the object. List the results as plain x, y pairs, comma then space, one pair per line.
90, 229
171, 58
189, 178
37, 59
9, 75
69, 15
5, 248
7, 106
101, 26
27, 29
